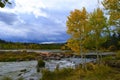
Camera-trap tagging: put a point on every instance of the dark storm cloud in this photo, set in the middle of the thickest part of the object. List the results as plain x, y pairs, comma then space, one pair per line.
8, 18
38, 20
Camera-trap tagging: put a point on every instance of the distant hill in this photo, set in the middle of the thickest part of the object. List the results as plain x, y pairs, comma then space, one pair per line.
3, 41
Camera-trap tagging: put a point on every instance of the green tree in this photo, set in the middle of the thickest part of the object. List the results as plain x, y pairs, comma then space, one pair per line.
97, 21
113, 9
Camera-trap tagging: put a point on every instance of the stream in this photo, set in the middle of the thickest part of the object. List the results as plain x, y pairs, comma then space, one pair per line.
28, 71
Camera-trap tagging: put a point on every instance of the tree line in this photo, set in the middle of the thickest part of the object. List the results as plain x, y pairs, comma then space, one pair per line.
18, 45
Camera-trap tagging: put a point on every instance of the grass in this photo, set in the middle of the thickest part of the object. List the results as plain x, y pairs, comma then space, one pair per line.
118, 55
113, 61
21, 78
6, 78
57, 74
9, 78
17, 56
99, 72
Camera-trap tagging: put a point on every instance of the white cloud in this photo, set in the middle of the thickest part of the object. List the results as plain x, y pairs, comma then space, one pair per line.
30, 6
70, 4
35, 6
27, 7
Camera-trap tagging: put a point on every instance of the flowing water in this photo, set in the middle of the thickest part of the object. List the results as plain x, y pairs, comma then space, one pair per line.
27, 69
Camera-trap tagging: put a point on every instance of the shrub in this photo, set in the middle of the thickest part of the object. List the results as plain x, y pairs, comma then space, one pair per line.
90, 66
107, 58
112, 48
41, 63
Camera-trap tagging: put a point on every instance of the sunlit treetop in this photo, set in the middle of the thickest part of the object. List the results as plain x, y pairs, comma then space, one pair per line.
113, 7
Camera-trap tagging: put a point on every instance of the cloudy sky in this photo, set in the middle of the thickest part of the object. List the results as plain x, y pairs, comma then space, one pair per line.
39, 20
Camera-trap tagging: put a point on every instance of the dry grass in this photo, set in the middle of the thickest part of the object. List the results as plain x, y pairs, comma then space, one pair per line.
17, 56
99, 72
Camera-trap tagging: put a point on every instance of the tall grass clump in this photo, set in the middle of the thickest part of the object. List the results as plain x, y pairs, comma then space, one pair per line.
62, 74
100, 72
21, 78
7, 78
112, 61
118, 55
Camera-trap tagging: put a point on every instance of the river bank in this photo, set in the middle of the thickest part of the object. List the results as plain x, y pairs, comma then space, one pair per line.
28, 55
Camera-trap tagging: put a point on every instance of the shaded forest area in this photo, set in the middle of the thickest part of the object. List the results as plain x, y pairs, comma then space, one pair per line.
113, 42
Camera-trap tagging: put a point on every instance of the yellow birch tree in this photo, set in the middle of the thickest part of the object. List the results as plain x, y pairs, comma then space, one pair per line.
77, 28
